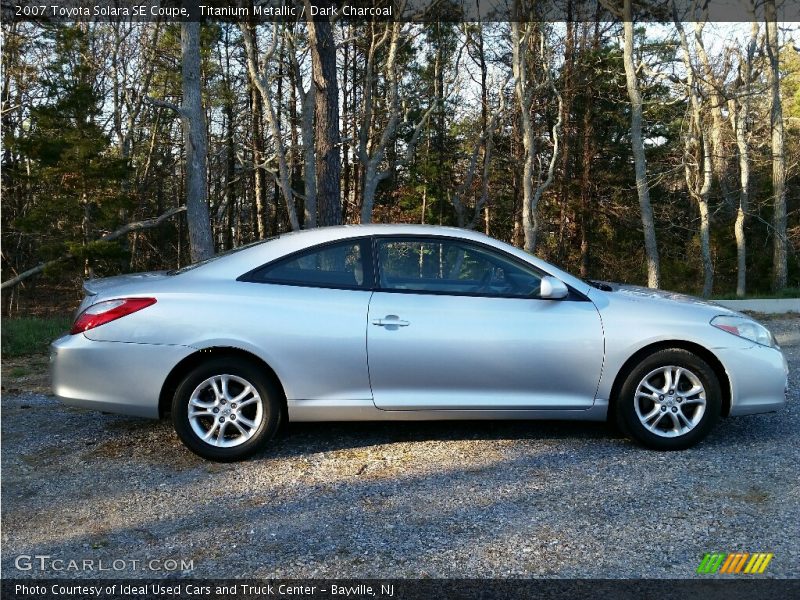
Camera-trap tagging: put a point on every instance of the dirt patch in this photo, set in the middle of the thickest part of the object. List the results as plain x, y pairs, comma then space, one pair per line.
26, 373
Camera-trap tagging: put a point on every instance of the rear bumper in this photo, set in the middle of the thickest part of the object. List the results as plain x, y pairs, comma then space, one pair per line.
116, 377
759, 378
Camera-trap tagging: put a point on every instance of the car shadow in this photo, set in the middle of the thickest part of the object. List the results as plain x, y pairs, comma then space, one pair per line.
303, 438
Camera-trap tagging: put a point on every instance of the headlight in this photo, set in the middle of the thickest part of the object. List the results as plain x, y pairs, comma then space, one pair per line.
745, 328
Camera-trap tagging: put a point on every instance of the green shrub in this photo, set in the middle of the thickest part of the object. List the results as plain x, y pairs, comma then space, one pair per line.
31, 335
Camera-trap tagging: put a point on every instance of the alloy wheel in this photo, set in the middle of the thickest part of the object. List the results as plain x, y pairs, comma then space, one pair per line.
225, 411
670, 401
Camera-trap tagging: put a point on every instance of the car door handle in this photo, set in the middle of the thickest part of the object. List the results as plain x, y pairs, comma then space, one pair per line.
390, 321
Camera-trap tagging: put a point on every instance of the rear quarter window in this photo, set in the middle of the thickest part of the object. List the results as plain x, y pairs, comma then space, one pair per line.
338, 265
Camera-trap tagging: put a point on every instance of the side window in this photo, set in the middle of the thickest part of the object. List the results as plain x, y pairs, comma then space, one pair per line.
338, 266
452, 266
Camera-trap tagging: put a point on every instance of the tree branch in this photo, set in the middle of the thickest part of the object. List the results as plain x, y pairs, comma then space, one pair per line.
165, 104
125, 229
139, 225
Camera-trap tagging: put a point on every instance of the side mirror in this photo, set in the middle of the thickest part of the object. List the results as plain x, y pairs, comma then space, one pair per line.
553, 289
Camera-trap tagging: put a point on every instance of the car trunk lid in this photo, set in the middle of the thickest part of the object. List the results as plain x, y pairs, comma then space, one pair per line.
114, 286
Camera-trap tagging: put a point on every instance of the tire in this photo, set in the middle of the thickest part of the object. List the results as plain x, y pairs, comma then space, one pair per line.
658, 419
235, 430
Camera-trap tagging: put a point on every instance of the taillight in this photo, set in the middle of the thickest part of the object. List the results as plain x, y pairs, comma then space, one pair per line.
108, 310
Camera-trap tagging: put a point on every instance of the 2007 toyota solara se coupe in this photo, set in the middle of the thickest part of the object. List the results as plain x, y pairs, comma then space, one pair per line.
406, 322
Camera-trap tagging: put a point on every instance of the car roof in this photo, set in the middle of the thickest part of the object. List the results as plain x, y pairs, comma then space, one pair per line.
246, 259
346, 231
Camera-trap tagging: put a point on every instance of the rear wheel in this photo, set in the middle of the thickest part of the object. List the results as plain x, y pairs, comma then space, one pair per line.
226, 410
670, 401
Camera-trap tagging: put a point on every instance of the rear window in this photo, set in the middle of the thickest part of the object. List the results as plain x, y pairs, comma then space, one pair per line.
200, 263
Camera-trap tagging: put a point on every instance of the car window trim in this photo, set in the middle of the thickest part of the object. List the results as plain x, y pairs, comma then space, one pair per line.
368, 266
574, 295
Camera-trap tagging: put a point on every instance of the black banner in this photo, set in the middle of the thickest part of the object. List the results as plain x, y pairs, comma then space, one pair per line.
742, 588
388, 10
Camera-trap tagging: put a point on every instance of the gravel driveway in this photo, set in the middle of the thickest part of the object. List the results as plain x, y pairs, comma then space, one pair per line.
529, 499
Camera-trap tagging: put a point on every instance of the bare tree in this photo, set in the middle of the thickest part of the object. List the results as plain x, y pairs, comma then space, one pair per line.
259, 77
738, 114
307, 109
779, 273
371, 152
697, 156
528, 39
129, 90
712, 84
637, 146
486, 143
260, 206
195, 139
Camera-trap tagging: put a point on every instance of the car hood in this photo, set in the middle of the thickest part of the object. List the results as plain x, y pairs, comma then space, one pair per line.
637, 293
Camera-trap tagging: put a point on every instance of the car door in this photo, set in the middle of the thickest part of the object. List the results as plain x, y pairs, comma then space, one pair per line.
312, 311
459, 325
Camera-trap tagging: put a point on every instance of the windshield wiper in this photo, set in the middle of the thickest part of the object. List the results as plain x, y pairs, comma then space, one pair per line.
599, 285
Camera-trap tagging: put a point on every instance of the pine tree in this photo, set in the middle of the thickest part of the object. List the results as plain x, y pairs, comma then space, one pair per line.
75, 172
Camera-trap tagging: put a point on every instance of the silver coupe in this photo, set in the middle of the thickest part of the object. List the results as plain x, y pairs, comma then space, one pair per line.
406, 322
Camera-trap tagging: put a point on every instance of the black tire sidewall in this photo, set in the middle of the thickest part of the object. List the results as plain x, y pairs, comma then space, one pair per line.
626, 412
226, 366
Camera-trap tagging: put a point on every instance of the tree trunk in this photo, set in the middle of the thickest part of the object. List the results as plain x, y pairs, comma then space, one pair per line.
259, 178
346, 206
307, 109
697, 157
525, 89
738, 112
230, 174
327, 138
194, 135
517, 237
586, 179
779, 273
637, 146
356, 195
229, 201
705, 220
712, 86
588, 153
566, 161
744, 201
484, 122
295, 172
530, 224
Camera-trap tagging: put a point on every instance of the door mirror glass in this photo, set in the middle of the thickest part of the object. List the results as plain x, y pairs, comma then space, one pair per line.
553, 289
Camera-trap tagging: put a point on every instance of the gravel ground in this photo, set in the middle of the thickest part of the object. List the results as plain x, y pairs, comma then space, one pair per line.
493, 499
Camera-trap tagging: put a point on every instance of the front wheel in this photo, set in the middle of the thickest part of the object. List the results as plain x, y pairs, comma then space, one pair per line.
670, 401
226, 410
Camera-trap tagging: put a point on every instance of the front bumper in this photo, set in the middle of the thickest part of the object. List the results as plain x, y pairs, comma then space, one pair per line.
116, 377
759, 378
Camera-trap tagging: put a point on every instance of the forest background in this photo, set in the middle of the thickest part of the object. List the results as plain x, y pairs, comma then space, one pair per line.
657, 153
